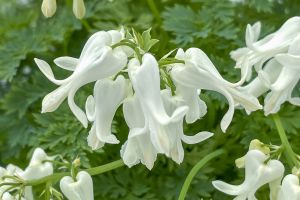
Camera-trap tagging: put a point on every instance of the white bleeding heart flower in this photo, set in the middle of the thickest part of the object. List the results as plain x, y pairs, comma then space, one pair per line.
12, 170
97, 61
198, 72
38, 167
290, 188
266, 77
80, 189
101, 108
258, 52
138, 147
257, 174
190, 97
282, 88
145, 80
175, 129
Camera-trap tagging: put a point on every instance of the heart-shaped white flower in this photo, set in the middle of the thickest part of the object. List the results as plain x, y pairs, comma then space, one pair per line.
81, 189
257, 174
290, 188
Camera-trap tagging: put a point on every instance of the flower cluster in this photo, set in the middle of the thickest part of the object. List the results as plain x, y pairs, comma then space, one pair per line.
159, 96
129, 76
275, 58
10, 177
261, 169
49, 8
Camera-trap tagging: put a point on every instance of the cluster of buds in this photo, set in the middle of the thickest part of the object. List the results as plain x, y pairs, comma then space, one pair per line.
49, 8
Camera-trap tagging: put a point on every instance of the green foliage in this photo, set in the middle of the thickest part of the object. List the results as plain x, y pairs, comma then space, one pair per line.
217, 27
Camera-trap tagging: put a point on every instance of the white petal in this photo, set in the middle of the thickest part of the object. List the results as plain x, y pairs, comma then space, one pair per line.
108, 97
53, 100
199, 137
68, 63
290, 188
93, 140
90, 108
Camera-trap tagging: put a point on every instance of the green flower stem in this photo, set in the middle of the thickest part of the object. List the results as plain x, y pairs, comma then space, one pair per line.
195, 170
287, 149
105, 168
92, 171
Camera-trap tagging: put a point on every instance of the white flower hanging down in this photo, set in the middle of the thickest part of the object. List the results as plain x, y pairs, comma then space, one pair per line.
290, 188
38, 167
282, 88
81, 189
198, 72
145, 80
138, 147
176, 133
258, 52
257, 174
97, 61
156, 117
108, 96
266, 77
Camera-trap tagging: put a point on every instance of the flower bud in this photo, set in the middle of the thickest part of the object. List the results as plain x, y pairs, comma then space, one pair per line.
258, 145
49, 8
78, 8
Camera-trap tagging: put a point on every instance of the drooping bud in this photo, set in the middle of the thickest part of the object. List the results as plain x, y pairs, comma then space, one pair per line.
78, 8
49, 8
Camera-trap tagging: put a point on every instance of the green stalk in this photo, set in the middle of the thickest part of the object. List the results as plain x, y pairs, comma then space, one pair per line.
195, 170
92, 171
154, 10
287, 149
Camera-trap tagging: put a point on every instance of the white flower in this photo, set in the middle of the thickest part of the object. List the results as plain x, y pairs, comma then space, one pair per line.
266, 77
38, 167
290, 188
12, 170
190, 97
198, 72
78, 8
49, 7
138, 148
81, 189
282, 88
258, 52
100, 109
145, 80
257, 174
97, 61
175, 132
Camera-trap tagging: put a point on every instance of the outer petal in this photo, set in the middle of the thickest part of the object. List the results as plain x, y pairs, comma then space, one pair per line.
68, 63
109, 95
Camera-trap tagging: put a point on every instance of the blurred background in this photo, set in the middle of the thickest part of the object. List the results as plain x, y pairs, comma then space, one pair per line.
215, 26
